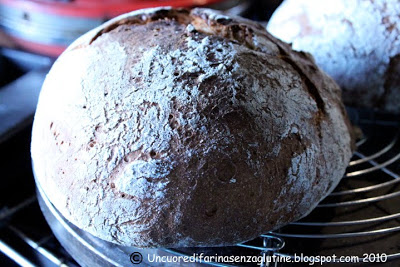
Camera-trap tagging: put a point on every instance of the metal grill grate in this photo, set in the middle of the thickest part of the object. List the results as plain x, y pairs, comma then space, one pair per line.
361, 216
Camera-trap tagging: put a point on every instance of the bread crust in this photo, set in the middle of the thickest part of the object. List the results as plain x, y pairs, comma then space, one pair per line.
355, 41
177, 128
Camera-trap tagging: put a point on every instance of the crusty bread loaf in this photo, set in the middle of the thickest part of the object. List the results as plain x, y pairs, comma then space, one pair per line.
168, 128
355, 41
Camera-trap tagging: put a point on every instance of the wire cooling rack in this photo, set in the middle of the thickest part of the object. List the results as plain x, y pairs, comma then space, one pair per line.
360, 218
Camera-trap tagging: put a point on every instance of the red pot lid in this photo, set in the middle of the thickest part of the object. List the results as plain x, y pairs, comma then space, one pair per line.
68, 10
97, 8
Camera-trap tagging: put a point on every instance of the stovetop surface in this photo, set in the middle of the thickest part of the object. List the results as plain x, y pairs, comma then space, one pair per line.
17, 187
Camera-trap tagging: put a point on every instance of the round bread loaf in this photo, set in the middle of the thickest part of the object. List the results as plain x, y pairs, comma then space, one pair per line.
355, 41
174, 128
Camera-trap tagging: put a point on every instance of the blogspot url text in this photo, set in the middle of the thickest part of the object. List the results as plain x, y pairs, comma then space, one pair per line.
137, 258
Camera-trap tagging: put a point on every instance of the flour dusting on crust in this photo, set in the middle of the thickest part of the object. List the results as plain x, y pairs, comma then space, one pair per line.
170, 122
354, 41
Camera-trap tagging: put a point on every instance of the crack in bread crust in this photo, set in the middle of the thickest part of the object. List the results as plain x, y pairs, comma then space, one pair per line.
178, 120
